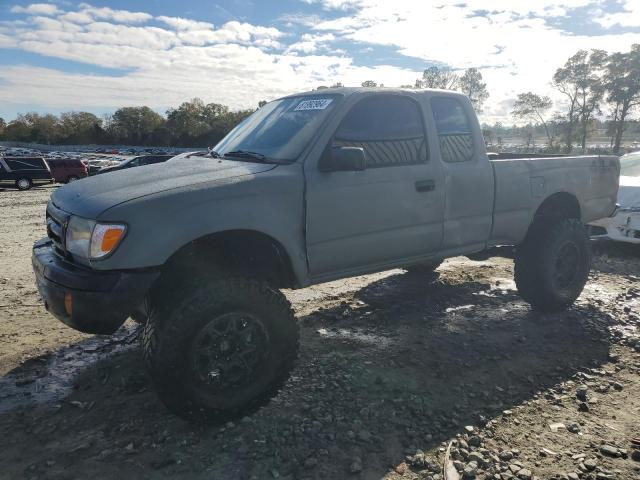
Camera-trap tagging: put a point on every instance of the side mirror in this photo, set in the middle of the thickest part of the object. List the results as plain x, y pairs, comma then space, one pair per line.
344, 159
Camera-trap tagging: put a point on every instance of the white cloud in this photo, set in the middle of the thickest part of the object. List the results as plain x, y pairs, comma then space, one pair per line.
180, 23
165, 60
233, 32
513, 45
106, 13
310, 43
629, 17
36, 9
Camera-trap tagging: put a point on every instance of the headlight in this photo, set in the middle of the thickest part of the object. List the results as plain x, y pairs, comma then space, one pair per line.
89, 239
79, 236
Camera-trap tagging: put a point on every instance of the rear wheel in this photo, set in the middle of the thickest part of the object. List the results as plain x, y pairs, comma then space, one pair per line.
23, 184
221, 350
552, 265
72, 178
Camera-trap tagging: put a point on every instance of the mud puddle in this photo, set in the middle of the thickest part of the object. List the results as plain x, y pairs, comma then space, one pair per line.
49, 379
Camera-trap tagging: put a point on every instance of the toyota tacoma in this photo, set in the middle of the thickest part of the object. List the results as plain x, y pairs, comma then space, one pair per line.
310, 188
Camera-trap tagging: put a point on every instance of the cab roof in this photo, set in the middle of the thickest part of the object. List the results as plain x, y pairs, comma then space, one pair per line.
347, 91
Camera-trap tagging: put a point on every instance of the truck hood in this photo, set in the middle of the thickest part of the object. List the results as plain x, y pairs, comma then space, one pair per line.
91, 196
629, 192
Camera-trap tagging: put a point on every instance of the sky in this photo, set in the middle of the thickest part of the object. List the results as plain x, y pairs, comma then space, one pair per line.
99, 56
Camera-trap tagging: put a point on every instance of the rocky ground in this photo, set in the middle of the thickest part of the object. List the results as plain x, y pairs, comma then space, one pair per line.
401, 376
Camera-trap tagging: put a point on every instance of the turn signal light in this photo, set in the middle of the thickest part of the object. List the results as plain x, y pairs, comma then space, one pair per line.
68, 303
105, 239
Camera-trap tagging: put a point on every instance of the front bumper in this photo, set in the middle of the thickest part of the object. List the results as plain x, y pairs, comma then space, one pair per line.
624, 226
100, 301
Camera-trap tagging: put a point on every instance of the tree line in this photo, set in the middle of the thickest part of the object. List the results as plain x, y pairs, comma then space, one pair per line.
192, 124
593, 83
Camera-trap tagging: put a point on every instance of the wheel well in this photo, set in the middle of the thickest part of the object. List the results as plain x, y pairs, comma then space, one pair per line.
252, 253
562, 205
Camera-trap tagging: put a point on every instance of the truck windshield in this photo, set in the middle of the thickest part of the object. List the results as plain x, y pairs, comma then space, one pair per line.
280, 130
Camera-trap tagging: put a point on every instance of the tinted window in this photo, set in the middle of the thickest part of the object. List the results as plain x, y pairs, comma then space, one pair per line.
25, 163
155, 159
388, 128
454, 129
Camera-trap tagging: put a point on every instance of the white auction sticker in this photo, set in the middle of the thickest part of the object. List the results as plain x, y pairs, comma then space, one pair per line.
316, 104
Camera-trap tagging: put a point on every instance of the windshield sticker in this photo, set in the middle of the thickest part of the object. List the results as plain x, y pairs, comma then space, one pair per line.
316, 104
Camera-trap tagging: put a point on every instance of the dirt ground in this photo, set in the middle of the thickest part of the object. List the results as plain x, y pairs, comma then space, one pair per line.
395, 370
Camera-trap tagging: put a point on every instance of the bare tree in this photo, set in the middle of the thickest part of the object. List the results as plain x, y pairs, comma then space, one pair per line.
436, 77
622, 84
581, 81
472, 86
532, 107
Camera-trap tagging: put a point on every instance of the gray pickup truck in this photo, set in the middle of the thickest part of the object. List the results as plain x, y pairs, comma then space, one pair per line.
310, 188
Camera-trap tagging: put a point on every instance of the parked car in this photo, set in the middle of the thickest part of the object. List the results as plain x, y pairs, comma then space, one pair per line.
136, 162
97, 164
24, 172
625, 225
67, 170
309, 188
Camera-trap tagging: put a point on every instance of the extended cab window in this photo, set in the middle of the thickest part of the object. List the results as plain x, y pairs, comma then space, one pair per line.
454, 129
389, 129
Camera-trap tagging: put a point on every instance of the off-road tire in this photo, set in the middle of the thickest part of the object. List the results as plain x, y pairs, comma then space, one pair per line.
539, 258
173, 325
23, 184
423, 268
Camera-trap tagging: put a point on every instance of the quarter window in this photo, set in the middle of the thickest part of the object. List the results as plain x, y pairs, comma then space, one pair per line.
454, 129
388, 128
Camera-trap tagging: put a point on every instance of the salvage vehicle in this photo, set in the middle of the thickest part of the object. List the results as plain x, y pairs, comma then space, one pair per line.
309, 188
625, 225
24, 172
139, 161
66, 170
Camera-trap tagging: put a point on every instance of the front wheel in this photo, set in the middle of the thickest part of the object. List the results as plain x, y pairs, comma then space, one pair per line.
552, 265
23, 184
222, 350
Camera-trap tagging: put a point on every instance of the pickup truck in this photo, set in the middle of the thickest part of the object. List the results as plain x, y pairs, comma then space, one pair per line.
309, 188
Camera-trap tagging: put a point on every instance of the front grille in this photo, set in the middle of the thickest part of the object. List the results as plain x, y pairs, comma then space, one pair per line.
57, 227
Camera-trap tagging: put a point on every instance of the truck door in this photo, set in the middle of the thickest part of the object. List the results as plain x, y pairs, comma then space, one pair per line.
468, 184
389, 212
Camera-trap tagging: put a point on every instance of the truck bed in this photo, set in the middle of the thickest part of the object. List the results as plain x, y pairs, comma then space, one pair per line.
522, 184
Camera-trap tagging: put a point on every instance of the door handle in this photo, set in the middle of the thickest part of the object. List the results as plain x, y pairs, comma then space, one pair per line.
425, 186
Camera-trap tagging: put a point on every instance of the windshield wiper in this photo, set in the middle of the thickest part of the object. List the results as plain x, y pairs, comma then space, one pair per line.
248, 154
213, 153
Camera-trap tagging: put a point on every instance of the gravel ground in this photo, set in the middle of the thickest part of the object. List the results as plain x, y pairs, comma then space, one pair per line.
399, 375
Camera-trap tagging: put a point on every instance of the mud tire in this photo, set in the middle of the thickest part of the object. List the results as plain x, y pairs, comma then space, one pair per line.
169, 337
541, 259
